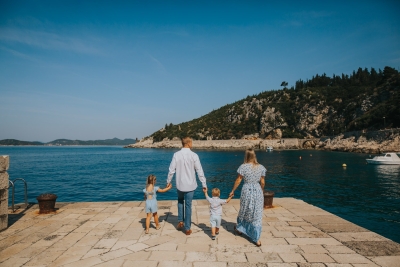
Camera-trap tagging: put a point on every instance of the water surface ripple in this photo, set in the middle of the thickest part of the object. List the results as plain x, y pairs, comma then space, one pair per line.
367, 195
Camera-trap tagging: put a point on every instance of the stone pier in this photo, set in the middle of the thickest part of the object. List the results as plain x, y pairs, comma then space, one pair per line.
294, 234
4, 164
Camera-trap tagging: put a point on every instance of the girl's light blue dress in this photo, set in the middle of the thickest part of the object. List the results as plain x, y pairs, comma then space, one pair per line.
151, 204
249, 220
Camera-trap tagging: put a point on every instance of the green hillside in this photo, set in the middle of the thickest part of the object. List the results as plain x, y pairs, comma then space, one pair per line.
366, 99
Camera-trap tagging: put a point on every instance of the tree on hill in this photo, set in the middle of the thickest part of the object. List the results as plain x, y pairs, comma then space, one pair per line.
318, 106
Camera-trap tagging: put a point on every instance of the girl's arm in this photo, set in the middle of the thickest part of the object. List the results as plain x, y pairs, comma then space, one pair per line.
237, 183
164, 189
262, 182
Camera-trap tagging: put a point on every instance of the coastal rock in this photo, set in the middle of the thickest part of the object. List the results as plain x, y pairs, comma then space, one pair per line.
143, 143
4, 178
359, 142
4, 163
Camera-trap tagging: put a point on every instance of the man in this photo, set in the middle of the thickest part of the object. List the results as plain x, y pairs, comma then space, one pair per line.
186, 164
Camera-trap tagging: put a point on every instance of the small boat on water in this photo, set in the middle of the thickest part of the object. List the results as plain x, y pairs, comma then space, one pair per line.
387, 159
270, 148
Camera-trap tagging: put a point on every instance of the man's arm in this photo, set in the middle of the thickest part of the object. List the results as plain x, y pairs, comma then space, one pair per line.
199, 170
172, 169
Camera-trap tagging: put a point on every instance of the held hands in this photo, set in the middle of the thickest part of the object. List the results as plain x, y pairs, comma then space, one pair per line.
204, 190
231, 194
169, 186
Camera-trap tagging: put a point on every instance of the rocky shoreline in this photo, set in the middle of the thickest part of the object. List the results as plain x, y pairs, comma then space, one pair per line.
372, 142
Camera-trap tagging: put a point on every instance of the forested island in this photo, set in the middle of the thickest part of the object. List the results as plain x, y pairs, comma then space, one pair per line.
338, 113
322, 106
67, 142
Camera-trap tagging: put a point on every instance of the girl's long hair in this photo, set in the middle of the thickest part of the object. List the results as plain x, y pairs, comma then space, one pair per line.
250, 156
150, 180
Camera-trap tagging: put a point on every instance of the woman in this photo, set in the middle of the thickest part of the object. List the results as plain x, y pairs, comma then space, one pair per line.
249, 220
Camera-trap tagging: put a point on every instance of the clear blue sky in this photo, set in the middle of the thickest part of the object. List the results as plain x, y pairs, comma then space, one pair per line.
103, 69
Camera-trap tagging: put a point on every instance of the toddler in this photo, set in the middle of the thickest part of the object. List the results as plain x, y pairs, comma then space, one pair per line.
151, 200
215, 210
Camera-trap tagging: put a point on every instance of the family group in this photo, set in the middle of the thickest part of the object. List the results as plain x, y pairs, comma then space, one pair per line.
184, 165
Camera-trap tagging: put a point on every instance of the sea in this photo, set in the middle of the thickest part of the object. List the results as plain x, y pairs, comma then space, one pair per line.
367, 195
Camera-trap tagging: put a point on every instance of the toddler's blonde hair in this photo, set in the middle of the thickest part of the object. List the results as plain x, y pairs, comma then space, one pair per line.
215, 192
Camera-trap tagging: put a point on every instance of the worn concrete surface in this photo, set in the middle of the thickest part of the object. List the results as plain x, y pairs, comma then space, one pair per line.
112, 234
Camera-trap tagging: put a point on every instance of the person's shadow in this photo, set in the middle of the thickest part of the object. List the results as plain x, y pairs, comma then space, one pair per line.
173, 219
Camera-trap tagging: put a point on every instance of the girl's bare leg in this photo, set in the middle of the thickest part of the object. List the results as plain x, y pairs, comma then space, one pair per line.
148, 222
216, 230
155, 215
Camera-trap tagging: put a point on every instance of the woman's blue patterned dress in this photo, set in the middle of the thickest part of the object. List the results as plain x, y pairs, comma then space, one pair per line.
249, 220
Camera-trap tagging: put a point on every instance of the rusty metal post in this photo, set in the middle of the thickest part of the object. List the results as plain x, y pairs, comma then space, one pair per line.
47, 203
268, 199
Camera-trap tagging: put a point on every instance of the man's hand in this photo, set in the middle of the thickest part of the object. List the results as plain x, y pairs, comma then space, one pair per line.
204, 190
169, 185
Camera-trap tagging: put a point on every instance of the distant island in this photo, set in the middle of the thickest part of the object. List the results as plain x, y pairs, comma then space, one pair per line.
67, 142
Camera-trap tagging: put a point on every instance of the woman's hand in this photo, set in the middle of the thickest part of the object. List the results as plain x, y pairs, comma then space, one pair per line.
231, 194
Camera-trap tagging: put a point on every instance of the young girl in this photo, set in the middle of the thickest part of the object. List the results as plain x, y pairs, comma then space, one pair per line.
151, 200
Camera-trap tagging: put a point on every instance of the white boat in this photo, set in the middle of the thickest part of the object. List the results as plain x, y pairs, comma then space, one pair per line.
270, 148
387, 159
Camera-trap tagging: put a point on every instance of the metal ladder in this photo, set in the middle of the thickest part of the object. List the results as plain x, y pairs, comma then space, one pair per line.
12, 183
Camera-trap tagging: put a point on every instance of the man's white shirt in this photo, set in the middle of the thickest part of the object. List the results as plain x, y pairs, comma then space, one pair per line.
185, 163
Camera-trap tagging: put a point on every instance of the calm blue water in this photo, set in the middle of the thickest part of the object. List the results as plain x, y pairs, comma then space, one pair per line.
364, 194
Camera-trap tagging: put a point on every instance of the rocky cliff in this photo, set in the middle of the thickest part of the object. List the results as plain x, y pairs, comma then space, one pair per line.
357, 141
366, 100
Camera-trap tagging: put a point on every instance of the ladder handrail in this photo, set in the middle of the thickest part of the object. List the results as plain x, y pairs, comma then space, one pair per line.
12, 201
13, 192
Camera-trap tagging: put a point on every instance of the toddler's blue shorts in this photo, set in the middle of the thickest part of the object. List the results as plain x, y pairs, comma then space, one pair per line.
215, 221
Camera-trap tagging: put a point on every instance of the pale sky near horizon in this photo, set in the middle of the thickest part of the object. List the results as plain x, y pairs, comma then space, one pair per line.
102, 69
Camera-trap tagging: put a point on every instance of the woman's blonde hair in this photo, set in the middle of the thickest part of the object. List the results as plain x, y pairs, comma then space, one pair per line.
151, 179
250, 156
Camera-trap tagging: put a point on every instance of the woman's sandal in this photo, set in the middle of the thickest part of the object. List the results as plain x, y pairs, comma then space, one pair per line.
147, 231
158, 227
236, 231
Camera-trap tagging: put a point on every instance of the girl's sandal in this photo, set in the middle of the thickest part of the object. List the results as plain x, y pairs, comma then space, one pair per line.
236, 231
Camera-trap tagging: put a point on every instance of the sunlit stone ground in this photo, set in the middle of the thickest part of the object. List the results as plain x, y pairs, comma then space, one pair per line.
112, 234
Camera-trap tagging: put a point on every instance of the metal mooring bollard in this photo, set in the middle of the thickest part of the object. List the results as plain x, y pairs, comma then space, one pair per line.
47, 203
268, 199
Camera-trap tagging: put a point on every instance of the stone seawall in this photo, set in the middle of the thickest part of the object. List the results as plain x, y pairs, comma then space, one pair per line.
4, 164
358, 141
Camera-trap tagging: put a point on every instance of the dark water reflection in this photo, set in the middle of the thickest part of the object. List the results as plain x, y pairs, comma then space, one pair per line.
367, 195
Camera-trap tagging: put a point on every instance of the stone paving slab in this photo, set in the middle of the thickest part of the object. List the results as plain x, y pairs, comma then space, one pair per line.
294, 234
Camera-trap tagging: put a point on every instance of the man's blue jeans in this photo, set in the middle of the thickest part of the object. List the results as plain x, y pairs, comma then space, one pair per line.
185, 208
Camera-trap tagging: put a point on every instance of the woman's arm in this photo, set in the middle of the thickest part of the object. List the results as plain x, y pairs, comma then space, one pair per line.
262, 182
237, 183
